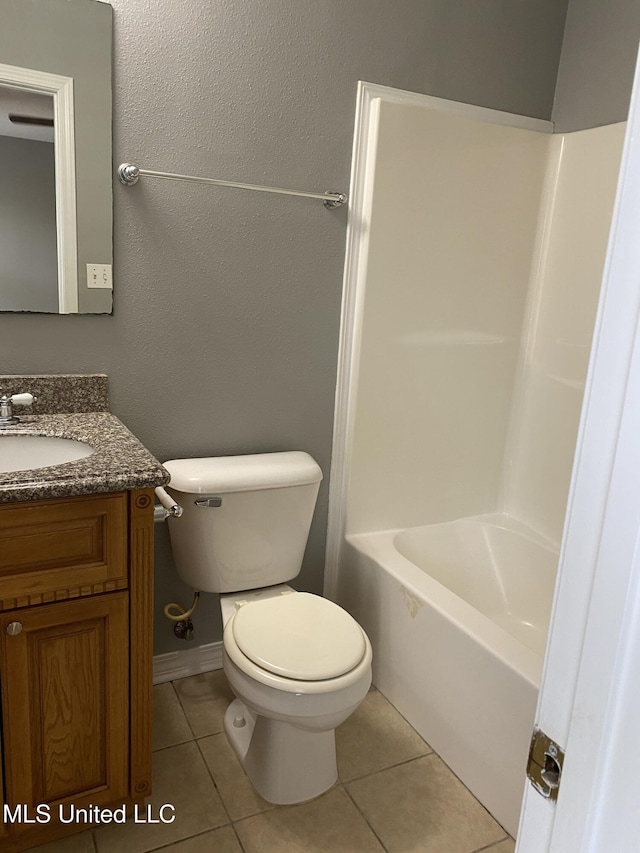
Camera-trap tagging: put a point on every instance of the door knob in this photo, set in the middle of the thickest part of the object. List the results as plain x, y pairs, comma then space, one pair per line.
14, 628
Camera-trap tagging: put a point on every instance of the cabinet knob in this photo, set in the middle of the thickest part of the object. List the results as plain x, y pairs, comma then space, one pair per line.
14, 628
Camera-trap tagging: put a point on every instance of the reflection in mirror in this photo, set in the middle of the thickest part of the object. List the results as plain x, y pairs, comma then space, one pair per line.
28, 277
32, 211
55, 156
29, 271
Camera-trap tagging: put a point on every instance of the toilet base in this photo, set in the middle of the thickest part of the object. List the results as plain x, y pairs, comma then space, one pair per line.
286, 764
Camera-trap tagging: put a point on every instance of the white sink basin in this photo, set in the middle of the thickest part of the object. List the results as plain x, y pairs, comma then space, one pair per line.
23, 452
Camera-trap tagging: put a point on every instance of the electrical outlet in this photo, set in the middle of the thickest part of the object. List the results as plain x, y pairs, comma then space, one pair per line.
99, 275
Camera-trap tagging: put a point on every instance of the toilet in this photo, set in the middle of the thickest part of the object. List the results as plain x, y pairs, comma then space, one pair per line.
298, 664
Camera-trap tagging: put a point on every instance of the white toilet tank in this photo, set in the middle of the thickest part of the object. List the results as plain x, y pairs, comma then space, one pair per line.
246, 518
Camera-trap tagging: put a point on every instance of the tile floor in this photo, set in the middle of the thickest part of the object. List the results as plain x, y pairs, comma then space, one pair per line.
394, 793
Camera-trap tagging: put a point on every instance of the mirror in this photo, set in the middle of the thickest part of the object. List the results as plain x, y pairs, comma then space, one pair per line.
56, 247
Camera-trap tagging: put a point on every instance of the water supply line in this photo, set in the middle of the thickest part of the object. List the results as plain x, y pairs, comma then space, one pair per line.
179, 614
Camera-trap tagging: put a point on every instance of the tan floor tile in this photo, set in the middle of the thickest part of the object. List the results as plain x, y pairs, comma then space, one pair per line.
421, 807
80, 843
328, 824
181, 779
237, 792
221, 840
205, 698
506, 846
374, 737
170, 726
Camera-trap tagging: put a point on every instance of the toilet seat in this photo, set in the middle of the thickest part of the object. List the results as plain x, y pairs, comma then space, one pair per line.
297, 643
300, 636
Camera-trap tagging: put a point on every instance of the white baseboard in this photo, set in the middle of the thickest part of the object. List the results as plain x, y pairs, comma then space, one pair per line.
192, 661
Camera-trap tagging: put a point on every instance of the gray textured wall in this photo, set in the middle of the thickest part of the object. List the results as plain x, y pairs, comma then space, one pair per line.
597, 63
227, 303
29, 266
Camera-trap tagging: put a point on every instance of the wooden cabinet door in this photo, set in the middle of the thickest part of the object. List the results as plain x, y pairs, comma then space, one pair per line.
65, 681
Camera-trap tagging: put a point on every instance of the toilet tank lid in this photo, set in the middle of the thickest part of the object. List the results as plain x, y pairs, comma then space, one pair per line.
223, 474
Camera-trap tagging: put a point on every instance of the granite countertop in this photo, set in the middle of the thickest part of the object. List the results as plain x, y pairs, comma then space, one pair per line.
119, 462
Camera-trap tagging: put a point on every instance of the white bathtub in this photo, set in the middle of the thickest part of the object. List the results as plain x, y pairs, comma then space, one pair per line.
457, 614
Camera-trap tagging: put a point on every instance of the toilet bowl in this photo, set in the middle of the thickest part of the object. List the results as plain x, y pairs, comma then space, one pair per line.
298, 664
282, 728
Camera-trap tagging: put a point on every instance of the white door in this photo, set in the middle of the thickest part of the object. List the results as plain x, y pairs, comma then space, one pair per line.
590, 694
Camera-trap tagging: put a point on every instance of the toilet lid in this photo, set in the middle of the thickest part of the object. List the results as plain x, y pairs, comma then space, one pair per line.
299, 636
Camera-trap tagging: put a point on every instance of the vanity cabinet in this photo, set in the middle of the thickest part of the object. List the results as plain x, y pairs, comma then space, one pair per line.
75, 659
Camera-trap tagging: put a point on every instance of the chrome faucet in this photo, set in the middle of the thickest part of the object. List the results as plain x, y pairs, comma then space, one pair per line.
7, 402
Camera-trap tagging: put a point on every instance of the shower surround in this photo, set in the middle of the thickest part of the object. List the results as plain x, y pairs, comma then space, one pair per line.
476, 247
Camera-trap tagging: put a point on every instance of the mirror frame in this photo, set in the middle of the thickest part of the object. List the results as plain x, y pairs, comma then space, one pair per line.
61, 88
